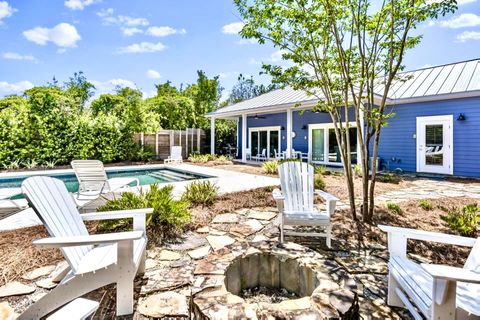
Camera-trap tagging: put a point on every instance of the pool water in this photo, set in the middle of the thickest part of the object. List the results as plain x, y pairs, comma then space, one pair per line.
145, 176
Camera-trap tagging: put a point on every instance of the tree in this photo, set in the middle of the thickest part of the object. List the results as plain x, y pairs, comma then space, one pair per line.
346, 53
78, 88
246, 88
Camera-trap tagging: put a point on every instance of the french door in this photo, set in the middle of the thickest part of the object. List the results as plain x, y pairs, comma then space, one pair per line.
323, 145
435, 144
265, 138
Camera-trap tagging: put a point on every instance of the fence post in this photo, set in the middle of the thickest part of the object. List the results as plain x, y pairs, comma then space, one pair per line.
186, 142
198, 140
156, 145
142, 141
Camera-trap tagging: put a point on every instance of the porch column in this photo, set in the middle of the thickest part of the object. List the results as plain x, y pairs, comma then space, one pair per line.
289, 133
244, 137
212, 135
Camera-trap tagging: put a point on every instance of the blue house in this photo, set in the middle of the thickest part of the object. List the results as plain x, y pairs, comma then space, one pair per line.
435, 129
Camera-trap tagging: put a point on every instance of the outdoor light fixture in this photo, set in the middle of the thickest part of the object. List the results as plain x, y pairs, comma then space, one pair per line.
461, 117
282, 128
304, 127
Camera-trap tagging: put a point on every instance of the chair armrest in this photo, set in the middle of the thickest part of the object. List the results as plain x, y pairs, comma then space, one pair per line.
119, 214
75, 241
278, 195
429, 236
325, 195
444, 272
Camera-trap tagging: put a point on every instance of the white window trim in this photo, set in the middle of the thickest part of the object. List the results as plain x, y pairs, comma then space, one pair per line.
268, 129
327, 126
440, 119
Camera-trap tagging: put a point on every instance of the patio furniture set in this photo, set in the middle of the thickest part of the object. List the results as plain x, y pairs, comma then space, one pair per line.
262, 156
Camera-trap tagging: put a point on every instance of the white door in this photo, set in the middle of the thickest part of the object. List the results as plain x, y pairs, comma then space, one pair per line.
435, 144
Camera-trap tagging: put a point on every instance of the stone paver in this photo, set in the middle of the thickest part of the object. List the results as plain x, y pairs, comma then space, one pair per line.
218, 242
199, 253
164, 304
14, 289
38, 272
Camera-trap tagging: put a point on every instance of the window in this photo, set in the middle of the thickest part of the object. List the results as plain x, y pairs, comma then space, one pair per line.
264, 138
323, 145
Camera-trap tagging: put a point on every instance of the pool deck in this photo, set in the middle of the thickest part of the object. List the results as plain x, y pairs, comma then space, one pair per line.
226, 180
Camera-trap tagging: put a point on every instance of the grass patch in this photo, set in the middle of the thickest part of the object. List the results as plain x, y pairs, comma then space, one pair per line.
425, 204
270, 167
319, 182
200, 193
394, 208
465, 221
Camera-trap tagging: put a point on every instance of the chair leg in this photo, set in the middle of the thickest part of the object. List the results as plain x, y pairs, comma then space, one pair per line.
444, 300
124, 296
392, 298
65, 292
141, 266
329, 236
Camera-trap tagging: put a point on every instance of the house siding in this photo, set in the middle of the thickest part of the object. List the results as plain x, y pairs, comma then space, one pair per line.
397, 145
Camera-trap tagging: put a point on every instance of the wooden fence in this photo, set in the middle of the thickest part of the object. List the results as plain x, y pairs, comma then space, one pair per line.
191, 140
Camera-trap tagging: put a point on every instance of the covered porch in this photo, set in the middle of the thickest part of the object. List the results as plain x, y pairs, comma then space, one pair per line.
281, 125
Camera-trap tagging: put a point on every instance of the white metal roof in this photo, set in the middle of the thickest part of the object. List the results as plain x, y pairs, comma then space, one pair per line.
433, 83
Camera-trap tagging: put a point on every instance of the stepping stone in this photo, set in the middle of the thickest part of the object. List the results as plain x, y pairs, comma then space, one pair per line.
169, 255
203, 230
46, 283
199, 253
217, 232
6, 312
262, 215
259, 237
226, 218
242, 230
15, 289
254, 224
39, 272
165, 304
61, 270
218, 242
150, 264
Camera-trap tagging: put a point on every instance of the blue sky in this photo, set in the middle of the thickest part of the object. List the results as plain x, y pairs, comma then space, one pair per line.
144, 42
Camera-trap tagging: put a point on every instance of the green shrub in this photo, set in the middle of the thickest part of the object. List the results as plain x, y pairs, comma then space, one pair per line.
465, 221
394, 208
270, 167
425, 205
50, 164
145, 154
169, 215
268, 188
200, 158
318, 182
389, 178
15, 164
322, 169
200, 193
30, 164
357, 169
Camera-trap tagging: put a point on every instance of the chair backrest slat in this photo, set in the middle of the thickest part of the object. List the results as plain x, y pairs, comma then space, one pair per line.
473, 260
296, 179
176, 153
55, 207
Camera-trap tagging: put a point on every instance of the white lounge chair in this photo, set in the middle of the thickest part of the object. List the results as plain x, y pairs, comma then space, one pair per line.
95, 260
248, 154
278, 155
93, 180
6, 195
175, 155
436, 291
261, 156
295, 201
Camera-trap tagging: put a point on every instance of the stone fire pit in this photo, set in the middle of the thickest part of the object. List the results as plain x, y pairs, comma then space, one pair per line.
320, 287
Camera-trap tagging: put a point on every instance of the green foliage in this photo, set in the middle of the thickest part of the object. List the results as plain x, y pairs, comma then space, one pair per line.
389, 178
465, 221
268, 188
425, 204
169, 215
200, 193
321, 169
270, 167
319, 183
12, 165
394, 208
357, 169
30, 164
204, 158
246, 88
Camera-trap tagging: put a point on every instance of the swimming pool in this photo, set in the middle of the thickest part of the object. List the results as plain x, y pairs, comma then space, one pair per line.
145, 176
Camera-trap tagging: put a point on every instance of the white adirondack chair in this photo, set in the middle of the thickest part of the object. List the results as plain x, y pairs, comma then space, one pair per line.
261, 156
93, 180
95, 260
295, 201
175, 155
436, 291
278, 155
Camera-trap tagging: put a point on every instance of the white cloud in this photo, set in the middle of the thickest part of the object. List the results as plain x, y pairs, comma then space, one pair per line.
17, 56
462, 21
112, 85
463, 2
63, 35
232, 28
225, 75
142, 47
125, 21
5, 10
153, 74
14, 88
468, 35
276, 56
79, 4
131, 31
242, 42
164, 31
